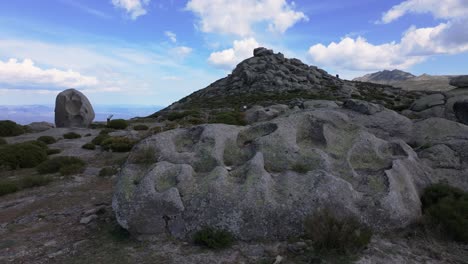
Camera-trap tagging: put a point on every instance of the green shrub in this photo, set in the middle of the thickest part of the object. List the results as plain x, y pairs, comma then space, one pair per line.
47, 139
10, 129
97, 126
330, 234
172, 116
106, 131
446, 209
140, 127
107, 171
7, 187
3, 141
53, 151
213, 238
117, 144
22, 155
117, 124
57, 163
37, 143
34, 181
88, 135
71, 135
300, 167
89, 146
229, 118
99, 139
71, 169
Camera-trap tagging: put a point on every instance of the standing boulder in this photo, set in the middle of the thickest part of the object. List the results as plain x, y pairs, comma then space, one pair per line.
73, 109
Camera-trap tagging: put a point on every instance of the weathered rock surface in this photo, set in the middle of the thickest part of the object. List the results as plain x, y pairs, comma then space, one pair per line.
460, 81
40, 126
261, 181
428, 102
73, 109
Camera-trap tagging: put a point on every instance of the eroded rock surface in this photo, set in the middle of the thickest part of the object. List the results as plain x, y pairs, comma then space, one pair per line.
73, 109
261, 181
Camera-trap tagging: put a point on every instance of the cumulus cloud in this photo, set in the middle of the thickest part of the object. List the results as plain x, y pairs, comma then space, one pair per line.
228, 58
171, 35
444, 9
238, 16
416, 44
134, 8
16, 73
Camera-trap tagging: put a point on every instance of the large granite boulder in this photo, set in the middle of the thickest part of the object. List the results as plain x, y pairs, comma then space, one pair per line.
73, 109
263, 180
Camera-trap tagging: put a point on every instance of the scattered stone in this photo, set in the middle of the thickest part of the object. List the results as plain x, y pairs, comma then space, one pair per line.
362, 107
278, 259
73, 109
428, 102
314, 104
86, 220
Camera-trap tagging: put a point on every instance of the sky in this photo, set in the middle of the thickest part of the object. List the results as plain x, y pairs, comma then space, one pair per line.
154, 52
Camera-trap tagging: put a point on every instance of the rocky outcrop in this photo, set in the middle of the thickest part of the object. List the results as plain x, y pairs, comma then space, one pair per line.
460, 81
73, 109
40, 126
385, 77
261, 181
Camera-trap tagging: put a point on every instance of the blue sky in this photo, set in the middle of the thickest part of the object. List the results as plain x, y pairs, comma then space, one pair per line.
154, 52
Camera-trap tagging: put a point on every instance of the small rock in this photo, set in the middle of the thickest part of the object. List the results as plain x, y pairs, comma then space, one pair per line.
362, 107
96, 210
88, 219
278, 259
298, 247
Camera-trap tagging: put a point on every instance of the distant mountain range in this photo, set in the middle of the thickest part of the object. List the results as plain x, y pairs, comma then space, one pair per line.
25, 114
408, 81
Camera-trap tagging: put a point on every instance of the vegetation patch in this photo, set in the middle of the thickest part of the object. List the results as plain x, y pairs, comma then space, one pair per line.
172, 116
145, 155
140, 127
22, 155
107, 171
445, 210
47, 139
333, 235
118, 124
229, 117
100, 138
10, 129
71, 135
63, 164
118, 144
34, 181
53, 151
3, 141
7, 187
213, 238
89, 146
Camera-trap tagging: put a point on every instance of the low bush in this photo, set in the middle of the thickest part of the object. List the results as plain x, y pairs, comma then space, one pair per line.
10, 129
7, 187
117, 144
3, 141
445, 210
229, 118
23, 155
88, 135
47, 139
99, 139
89, 146
71, 169
71, 135
106, 131
140, 127
57, 163
34, 181
53, 151
107, 171
330, 234
172, 116
213, 238
118, 124
97, 126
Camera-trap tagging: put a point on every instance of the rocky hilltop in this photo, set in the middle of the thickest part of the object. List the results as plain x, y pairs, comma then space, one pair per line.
269, 78
408, 81
385, 77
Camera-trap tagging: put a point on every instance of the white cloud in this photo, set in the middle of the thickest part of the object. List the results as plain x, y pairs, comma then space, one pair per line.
171, 78
182, 51
238, 16
171, 35
228, 58
416, 44
17, 73
134, 8
444, 9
